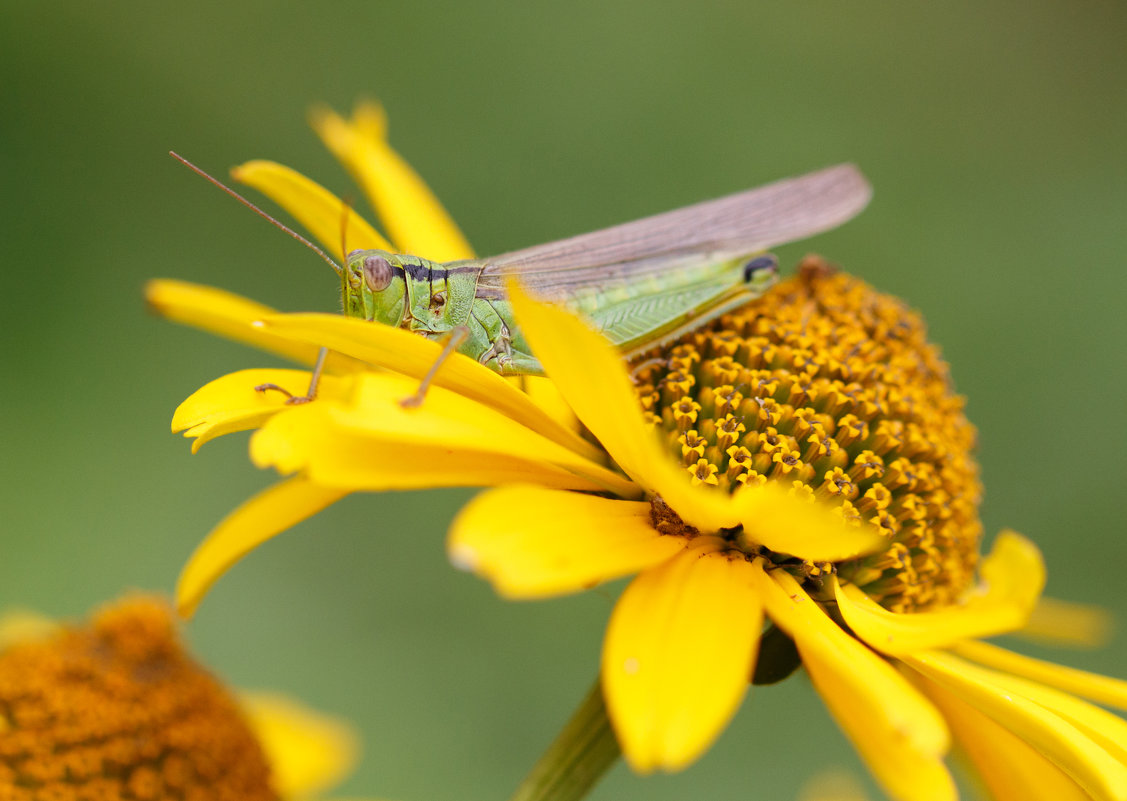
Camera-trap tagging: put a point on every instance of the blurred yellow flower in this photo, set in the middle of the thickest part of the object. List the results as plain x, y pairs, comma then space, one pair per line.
801, 464
118, 709
832, 785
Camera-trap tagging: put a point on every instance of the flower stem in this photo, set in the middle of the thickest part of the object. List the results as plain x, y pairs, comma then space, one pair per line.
578, 758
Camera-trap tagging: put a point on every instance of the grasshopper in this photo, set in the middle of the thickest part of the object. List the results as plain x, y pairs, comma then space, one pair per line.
641, 284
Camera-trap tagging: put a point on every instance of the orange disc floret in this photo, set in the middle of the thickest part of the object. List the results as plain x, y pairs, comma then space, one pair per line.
117, 710
832, 387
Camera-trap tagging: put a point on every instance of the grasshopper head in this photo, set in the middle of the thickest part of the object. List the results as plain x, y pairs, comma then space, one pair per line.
375, 287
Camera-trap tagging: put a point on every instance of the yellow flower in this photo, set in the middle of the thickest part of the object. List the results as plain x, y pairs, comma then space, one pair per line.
117, 709
802, 461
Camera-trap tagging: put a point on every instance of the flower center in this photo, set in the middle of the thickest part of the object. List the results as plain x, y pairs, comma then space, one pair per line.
832, 387
118, 710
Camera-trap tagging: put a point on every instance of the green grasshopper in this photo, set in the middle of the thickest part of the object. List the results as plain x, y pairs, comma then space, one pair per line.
641, 284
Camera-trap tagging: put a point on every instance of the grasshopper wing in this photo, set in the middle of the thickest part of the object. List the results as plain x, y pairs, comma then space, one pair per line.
709, 232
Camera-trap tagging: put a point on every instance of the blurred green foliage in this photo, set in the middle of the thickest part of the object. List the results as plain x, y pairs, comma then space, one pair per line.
993, 132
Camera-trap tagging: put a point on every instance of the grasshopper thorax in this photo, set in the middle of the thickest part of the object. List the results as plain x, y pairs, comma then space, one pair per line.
374, 286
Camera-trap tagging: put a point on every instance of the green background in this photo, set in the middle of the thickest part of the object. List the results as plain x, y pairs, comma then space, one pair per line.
993, 132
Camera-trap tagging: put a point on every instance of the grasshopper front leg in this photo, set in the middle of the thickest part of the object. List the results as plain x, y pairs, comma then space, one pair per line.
484, 336
454, 338
314, 382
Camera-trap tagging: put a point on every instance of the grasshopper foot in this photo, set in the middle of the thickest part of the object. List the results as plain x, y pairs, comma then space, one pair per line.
314, 380
291, 399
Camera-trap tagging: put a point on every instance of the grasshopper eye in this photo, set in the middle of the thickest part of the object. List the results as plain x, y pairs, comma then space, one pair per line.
759, 268
377, 273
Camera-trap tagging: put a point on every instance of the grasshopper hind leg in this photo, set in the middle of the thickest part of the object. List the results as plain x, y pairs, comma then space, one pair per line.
519, 364
506, 354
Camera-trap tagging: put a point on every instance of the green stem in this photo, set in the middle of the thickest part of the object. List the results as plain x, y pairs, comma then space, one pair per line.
578, 758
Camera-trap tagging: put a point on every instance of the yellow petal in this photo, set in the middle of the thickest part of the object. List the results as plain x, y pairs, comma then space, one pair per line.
270, 512
410, 212
332, 457
1084, 759
24, 625
899, 734
370, 434
354, 468
788, 523
235, 318
679, 652
1103, 727
1014, 569
590, 375
534, 543
1010, 768
407, 353
1012, 577
308, 752
544, 392
230, 403
315, 207
1058, 622
1093, 686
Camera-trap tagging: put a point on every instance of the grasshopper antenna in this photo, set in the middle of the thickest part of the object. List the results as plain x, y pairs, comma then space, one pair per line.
318, 368
336, 267
345, 210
